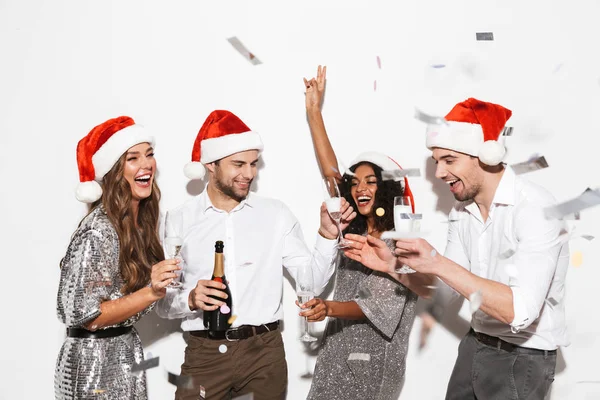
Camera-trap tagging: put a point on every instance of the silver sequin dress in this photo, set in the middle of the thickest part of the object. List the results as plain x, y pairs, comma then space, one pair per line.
365, 359
95, 368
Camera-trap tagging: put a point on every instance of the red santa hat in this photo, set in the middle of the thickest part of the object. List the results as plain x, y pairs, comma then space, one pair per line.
387, 164
221, 135
100, 149
474, 127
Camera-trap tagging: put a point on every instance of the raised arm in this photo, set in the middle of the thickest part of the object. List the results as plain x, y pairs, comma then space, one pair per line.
315, 88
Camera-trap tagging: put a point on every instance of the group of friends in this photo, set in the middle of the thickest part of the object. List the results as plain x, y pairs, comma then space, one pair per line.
500, 246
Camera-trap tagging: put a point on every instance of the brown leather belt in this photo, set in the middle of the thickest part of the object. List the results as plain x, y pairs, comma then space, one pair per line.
501, 344
239, 333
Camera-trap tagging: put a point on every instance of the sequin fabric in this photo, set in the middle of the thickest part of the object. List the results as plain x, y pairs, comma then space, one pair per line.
95, 368
365, 359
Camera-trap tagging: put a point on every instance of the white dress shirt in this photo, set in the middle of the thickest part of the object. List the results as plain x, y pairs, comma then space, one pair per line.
519, 247
260, 236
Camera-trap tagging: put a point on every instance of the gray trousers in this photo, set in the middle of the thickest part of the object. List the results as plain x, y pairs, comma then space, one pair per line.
484, 372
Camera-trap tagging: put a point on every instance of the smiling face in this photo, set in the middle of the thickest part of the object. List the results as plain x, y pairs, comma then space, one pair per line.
363, 187
461, 171
139, 170
233, 175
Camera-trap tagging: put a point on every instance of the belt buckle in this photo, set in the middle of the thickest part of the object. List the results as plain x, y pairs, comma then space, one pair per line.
227, 334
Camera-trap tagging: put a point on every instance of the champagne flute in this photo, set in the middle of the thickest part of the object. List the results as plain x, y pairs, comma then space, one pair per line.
333, 202
305, 292
404, 221
172, 244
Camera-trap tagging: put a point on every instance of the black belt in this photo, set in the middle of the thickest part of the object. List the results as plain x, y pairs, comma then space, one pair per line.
501, 344
239, 333
99, 334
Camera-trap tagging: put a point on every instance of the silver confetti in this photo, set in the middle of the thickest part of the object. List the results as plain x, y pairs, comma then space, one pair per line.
507, 131
433, 253
475, 300
507, 254
429, 119
484, 35
235, 42
437, 66
588, 199
146, 364
359, 356
552, 301
183, 381
364, 293
248, 396
533, 164
589, 238
399, 174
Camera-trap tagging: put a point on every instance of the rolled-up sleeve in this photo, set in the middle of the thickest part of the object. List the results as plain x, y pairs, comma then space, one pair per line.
296, 254
535, 260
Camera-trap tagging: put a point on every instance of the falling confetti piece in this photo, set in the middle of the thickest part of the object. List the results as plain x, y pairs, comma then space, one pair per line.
378, 62
507, 131
533, 164
222, 349
146, 364
552, 301
247, 396
484, 35
231, 319
375, 86
558, 68
183, 381
237, 44
577, 259
399, 174
512, 271
364, 293
437, 66
433, 253
225, 309
588, 199
429, 119
589, 238
507, 254
380, 211
359, 357
475, 300
99, 391
202, 392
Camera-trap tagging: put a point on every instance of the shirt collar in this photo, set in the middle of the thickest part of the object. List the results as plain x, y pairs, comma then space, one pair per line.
206, 204
505, 192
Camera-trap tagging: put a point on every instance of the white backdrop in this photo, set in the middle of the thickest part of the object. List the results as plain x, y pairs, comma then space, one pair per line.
69, 65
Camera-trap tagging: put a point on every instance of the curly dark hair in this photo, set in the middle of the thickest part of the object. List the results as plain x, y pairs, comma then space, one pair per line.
384, 198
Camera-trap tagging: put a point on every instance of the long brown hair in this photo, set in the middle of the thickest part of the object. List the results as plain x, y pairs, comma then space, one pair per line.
140, 246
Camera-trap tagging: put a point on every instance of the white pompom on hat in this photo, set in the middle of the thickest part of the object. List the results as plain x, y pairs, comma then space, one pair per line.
101, 148
221, 135
473, 127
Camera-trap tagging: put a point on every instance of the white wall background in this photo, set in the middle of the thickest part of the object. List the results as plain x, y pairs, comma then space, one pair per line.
69, 65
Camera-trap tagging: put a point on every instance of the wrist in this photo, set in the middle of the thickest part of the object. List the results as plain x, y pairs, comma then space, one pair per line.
191, 302
325, 235
152, 294
313, 109
329, 308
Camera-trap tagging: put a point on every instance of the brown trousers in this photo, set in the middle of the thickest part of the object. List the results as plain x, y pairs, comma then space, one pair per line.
255, 365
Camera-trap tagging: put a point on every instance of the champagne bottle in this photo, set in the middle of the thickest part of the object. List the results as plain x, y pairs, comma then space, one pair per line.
218, 320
